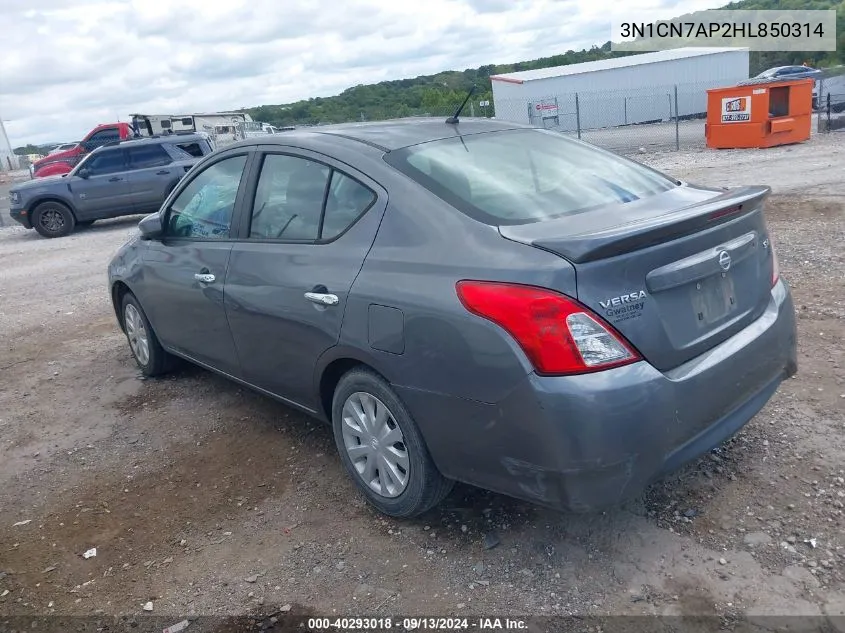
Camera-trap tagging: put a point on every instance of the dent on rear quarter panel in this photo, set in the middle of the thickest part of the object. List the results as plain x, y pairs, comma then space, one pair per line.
423, 247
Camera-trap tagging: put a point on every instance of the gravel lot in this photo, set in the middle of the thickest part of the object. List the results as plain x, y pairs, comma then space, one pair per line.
205, 498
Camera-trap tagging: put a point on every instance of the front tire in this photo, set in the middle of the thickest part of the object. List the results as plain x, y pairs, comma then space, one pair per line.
53, 219
382, 448
151, 357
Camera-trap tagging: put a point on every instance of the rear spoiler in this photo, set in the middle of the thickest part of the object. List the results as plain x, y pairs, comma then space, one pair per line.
659, 225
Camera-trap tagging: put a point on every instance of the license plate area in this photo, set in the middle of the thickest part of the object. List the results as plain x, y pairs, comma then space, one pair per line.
713, 298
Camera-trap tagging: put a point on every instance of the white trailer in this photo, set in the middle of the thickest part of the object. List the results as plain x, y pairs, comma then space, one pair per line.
643, 88
221, 127
8, 159
254, 129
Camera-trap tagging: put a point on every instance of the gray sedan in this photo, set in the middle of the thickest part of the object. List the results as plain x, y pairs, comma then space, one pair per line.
475, 301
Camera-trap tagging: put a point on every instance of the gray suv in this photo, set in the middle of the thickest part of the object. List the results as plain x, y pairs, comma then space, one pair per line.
121, 178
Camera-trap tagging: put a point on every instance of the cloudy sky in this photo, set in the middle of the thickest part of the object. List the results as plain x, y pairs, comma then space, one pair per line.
68, 65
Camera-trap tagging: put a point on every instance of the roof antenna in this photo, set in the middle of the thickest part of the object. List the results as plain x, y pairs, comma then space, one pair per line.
453, 120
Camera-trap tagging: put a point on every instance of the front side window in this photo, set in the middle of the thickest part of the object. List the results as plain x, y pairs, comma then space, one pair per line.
145, 156
289, 199
522, 176
106, 162
204, 208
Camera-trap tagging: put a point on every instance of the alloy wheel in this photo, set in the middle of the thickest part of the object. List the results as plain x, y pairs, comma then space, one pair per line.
52, 220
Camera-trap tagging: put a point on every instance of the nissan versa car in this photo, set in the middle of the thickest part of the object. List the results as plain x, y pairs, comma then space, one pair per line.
120, 178
472, 301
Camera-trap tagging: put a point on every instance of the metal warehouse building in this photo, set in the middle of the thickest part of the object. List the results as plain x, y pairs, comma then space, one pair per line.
643, 88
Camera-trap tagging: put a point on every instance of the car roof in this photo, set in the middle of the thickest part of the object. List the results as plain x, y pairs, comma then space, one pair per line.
392, 134
178, 137
793, 66
151, 140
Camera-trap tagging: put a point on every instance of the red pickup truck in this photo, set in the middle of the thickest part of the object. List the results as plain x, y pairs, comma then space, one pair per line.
63, 162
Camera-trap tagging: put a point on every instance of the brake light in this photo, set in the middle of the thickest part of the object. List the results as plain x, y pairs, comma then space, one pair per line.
558, 334
775, 266
723, 212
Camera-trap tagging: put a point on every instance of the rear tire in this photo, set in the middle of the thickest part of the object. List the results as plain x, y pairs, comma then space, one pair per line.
53, 219
392, 465
151, 357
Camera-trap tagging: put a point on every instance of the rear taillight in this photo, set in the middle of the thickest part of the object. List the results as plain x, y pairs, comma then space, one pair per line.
775, 266
558, 334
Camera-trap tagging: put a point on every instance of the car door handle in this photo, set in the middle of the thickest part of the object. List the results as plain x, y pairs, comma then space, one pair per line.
323, 298
206, 278
115, 179
163, 172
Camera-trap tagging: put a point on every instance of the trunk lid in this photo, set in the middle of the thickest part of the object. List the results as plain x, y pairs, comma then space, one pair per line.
676, 273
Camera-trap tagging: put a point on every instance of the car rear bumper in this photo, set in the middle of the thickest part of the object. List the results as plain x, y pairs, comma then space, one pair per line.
581, 443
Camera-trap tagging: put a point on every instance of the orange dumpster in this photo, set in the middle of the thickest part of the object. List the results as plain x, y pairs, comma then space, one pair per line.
759, 113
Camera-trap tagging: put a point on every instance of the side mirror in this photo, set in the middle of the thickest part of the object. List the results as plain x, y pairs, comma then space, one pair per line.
84, 173
151, 227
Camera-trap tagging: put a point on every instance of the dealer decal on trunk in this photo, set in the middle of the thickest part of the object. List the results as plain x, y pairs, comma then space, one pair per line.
624, 307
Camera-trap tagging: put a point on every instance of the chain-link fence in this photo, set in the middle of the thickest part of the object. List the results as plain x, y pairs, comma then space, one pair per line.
829, 99
584, 117
669, 117
629, 121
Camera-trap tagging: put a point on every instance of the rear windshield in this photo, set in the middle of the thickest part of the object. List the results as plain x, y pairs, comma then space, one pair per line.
522, 176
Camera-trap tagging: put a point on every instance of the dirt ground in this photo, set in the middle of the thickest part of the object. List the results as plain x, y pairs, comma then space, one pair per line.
208, 499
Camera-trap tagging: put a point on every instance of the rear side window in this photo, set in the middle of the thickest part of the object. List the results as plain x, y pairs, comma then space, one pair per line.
177, 153
346, 201
522, 176
144, 156
289, 199
193, 149
299, 199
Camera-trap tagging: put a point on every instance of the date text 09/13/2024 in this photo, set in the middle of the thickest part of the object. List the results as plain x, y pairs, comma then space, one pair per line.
360, 624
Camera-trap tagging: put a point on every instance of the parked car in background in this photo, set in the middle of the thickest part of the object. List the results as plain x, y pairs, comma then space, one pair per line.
252, 129
832, 85
790, 72
795, 72
121, 178
64, 147
476, 301
62, 162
